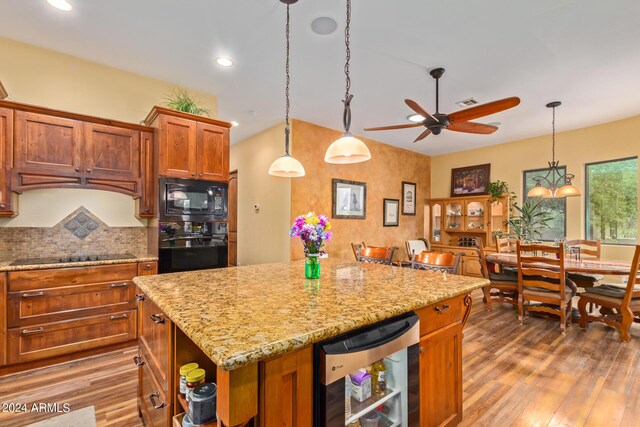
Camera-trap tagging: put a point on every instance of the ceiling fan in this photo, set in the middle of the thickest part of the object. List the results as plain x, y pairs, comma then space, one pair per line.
458, 121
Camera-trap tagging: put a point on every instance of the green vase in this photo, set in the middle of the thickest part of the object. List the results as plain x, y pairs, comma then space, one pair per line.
312, 266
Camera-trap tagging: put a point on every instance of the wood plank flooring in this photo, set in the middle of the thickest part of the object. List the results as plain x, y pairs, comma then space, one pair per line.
514, 375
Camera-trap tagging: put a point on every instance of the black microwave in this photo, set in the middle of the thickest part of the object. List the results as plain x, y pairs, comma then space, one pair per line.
193, 200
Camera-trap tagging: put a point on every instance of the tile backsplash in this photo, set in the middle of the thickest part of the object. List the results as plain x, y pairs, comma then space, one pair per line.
80, 233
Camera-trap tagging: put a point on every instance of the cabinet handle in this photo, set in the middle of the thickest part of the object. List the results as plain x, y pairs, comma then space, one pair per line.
137, 359
32, 331
157, 318
139, 297
36, 294
148, 266
152, 398
421, 349
88, 170
146, 209
442, 309
77, 169
2, 206
119, 285
120, 316
193, 174
199, 174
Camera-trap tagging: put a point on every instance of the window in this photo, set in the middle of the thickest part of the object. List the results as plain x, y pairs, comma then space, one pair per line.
557, 208
612, 201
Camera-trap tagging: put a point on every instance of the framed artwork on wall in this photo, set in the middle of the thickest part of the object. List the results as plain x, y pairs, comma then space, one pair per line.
391, 212
408, 198
470, 180
349, 199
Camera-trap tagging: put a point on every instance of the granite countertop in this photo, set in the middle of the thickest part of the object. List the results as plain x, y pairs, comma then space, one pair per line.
5, 263
242, 315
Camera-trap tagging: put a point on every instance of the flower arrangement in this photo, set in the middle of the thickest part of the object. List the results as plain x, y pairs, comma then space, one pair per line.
313, 230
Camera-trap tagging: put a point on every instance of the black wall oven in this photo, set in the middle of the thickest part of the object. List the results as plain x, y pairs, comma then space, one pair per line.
193, 201
188, 246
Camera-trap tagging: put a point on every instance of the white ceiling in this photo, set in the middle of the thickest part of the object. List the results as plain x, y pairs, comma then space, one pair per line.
582, 52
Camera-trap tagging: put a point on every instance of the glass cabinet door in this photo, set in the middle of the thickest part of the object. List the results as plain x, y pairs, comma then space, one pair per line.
475, 217
454, 214
436, 222
498, 220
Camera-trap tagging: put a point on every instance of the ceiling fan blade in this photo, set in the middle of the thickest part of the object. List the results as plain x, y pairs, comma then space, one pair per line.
405, 126
418, 109
423, 135
472, 127
483, 110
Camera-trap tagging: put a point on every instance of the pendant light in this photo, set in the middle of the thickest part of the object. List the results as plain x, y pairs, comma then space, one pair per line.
347, 149
556, 184
287, 166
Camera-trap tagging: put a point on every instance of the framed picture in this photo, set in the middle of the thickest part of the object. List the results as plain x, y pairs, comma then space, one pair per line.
349, 199
408, 198
391, 212
470, 181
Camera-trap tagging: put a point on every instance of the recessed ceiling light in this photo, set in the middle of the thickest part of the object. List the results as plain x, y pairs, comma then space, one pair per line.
224, 62
417, 118
60, 4
324, 25
234, 123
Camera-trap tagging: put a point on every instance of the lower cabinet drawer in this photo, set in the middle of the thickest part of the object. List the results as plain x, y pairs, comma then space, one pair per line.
440, 315
156, 412
68, 302
54, 339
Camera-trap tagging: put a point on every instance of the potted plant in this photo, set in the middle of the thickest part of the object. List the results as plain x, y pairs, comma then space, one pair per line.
497, 189
530, 222
182, 100
314, 231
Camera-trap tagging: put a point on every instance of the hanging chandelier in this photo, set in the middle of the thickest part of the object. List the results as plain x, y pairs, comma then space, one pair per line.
287, 166
554, 184
347, 149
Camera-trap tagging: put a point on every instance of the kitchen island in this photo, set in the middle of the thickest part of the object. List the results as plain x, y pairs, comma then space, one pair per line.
253, 329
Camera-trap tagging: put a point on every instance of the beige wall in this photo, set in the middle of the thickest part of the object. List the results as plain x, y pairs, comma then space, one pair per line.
573, 148
43, 77
262, 234
384, 173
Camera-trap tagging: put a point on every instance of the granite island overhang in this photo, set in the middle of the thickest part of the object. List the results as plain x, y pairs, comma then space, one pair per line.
242, 316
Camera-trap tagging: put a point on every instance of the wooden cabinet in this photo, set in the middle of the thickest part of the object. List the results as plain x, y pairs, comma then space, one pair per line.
147, 268
156, 342
7, 198
233, 219
191, 146
146, 206
152, 402
3, 320
286, 390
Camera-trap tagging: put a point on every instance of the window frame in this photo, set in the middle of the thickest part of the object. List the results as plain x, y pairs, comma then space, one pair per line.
586, 198
564, 199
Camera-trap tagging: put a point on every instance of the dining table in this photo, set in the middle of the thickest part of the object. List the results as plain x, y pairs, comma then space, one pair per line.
571, 265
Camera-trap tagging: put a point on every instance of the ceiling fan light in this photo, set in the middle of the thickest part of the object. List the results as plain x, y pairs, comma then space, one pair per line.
568, 190
286, 167
346, 150
540, 191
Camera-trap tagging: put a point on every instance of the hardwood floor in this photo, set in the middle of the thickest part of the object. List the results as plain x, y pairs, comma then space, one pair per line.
514, 375
532, 375
108, 382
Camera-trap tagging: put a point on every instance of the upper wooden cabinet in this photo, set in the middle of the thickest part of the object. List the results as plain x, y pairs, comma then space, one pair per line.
191, 146
44, 148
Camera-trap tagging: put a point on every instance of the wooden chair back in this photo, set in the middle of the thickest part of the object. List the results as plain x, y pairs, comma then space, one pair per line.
533, 268
631, 291
355, 247
437, 261
589, 249
500, 289
506, 245
482, 258
376, 255
416, 246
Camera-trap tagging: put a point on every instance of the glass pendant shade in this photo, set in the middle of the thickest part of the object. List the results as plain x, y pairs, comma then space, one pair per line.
540, 191
348, 149
568, 190
286, 167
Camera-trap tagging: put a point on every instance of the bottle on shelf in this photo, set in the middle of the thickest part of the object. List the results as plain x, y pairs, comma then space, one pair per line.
379, 378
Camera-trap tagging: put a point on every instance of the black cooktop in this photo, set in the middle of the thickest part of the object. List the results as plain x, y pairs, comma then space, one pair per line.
72, 258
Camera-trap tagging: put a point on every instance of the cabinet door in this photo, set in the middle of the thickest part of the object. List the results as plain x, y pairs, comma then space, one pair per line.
213, 152
152, 402
147, 268
112, 158
441, 377
177, 151
471, 266
475, 216
233, 219
156, 337
6, 141
47, 151
146, 203
436, 223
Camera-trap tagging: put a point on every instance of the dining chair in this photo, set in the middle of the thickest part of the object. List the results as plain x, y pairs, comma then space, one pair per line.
503, 286
588, 249
355, 247
543, 279
416, 247
445, 262
376, 255
621, 301
506, 245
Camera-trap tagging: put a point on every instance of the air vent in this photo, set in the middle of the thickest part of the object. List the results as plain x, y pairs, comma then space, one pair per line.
467, 102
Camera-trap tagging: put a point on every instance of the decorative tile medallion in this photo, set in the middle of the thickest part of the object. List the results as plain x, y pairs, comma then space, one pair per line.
81, 225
